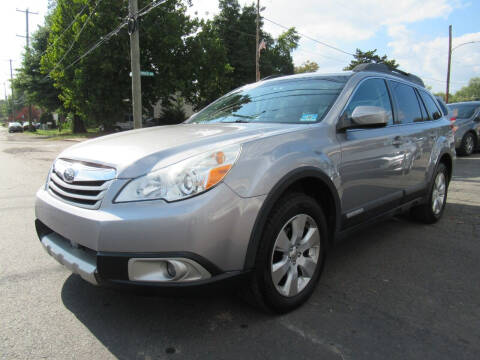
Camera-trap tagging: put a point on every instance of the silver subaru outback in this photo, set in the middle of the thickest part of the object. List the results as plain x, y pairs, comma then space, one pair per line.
257, 186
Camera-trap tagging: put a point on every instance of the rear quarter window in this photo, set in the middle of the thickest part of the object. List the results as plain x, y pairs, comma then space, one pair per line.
433, 111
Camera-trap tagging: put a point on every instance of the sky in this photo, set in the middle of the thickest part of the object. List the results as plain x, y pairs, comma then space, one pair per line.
413, 32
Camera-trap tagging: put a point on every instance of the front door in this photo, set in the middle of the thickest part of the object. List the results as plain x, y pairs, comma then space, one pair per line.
373, 159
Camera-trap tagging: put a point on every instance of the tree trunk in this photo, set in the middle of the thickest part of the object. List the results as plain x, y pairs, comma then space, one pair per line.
78, 125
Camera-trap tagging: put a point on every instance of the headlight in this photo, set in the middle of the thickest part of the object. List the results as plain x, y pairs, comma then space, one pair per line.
183, 179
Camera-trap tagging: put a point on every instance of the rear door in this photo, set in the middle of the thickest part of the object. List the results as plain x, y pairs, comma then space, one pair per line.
371, 167
415, 134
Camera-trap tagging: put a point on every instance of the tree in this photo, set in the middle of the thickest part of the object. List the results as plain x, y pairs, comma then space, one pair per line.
94, 89
361, 57
306, 67
211, 72
469, 92
277, 58
36, 87
236, 29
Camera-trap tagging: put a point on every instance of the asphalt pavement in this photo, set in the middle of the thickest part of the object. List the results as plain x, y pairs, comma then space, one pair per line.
397, 290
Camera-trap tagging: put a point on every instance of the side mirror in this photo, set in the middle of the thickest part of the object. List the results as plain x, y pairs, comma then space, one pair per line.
368, 116
477, 118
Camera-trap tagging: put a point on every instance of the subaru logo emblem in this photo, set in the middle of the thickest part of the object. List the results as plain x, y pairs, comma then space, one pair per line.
69, 175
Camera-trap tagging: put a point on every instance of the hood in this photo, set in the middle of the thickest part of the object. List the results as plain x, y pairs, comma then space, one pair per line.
134, 153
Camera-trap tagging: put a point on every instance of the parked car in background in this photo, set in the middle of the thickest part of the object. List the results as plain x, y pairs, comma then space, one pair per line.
127, 123
467, 125
257, 186
15, 127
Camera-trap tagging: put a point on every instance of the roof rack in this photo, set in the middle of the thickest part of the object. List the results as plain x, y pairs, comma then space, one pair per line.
384, 68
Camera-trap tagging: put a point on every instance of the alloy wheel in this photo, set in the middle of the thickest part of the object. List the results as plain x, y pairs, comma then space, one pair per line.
295, 255
439, 192
469, 144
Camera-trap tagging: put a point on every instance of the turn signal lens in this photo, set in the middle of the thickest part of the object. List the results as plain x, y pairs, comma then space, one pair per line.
216, 175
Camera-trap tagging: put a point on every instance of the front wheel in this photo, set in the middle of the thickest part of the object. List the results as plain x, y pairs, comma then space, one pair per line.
432, 210
291, 254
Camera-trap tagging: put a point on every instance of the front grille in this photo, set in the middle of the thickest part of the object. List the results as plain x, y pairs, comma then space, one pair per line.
86, 192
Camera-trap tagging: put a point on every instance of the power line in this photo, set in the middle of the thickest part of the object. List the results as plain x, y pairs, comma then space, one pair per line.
310, 38
444, 81
142, 12
66, 29
76, 37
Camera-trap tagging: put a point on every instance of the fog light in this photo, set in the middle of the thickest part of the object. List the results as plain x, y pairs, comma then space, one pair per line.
171, 270
165, 270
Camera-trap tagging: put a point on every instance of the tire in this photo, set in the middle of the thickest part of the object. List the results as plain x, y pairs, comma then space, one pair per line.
117, 129
468, 145
301, 270
433, 209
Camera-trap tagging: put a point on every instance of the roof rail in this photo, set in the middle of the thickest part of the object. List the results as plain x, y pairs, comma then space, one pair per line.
384, 68
272, 76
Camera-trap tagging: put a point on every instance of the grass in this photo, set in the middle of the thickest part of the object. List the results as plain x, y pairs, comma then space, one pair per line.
54, 134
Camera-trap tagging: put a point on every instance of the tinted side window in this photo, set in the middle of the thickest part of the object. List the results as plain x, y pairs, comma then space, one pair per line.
432, 109
408, 107
422, 107
372, 92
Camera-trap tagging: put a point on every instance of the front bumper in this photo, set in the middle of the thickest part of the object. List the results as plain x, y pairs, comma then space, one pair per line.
113, 269
212, 229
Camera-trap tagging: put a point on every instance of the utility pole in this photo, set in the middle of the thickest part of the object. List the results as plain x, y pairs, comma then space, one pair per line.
27, 32
449, 61
257, 51
135, 64
6, 100
11, 87
27, 37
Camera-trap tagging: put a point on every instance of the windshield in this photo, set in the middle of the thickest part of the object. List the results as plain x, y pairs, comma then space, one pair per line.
463, 111
295, 101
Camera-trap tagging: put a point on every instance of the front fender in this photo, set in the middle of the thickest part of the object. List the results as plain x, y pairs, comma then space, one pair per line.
263, 163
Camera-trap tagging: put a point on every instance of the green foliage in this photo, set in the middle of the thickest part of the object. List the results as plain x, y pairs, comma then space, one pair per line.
210, 68
362, 57
467, 93
200, 60
96, 86
46, 117
34, 86
307, 67
173, 113
236, 29
277, 58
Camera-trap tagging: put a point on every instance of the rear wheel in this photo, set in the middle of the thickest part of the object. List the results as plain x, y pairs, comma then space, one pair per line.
468, 145
432, 210
291, 254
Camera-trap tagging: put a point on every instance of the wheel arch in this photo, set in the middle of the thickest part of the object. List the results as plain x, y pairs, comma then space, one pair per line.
447, 160
309, 180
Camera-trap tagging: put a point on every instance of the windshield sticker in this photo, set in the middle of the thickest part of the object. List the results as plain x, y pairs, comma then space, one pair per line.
309, 117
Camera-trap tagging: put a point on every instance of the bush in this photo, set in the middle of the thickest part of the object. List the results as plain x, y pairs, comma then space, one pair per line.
173, 113
46, 117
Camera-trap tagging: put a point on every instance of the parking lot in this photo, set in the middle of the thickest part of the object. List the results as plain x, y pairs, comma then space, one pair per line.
399, 290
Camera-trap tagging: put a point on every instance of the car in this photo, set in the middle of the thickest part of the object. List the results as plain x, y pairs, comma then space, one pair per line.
15, 127
127, 123
254, 189
467, 124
